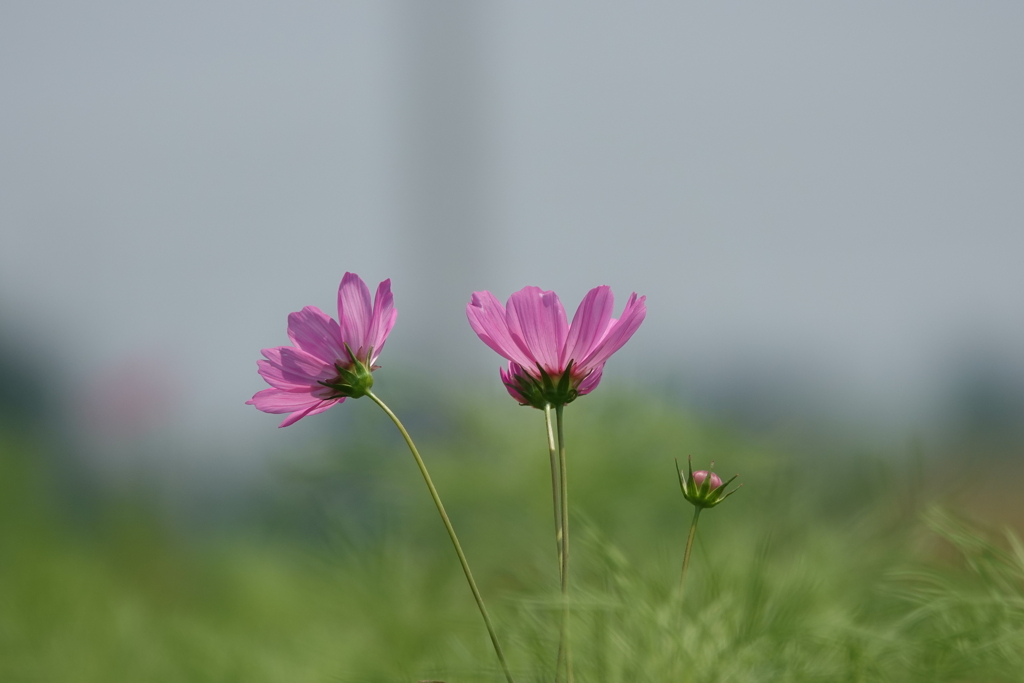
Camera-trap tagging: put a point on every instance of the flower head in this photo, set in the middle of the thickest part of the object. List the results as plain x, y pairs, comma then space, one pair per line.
330, 360
703, 488
550, 361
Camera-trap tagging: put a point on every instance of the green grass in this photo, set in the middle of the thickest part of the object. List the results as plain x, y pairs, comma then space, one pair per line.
823, 568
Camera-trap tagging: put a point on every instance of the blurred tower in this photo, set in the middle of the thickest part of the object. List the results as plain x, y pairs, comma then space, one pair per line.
444, 169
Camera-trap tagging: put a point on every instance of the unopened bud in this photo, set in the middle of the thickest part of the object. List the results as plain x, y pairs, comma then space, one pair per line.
703, 488
700, 475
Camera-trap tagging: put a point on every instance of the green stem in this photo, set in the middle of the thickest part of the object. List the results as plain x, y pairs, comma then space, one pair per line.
557, 505
565, 543
689, 545
451, 533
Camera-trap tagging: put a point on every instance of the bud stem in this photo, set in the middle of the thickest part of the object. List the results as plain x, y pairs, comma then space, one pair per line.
689, 545
451, 533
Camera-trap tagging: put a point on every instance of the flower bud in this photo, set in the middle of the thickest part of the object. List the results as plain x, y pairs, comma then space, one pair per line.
700, 475
703, 488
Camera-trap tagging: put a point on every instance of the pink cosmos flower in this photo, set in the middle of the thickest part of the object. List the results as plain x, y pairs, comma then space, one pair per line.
329, 362
551, 361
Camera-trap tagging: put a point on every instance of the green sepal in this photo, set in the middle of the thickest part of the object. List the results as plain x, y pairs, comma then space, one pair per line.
355, 379
544, 390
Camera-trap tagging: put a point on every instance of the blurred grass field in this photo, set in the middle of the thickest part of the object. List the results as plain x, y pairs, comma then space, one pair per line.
831, 564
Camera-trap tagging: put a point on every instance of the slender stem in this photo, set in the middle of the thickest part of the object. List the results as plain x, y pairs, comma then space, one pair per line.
557, 504
555, 500
565, 543
451, 533
689, 545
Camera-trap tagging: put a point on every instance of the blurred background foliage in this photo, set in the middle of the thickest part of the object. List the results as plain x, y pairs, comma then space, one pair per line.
835, 562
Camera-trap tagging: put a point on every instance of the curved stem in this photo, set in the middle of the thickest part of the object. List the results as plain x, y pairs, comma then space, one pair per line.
565, 543
689, 545
451, 533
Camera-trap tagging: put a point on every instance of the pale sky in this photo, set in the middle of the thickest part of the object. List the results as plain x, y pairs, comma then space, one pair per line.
830, 189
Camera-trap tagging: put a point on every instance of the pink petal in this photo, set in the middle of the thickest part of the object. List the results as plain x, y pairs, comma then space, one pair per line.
700, 475
280, 401
317, 334
589, 324
319, 407
487, 318
619, 332
590, 382
381, 320
354, 311
278, 378
289, 368
536, 321
509, 380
